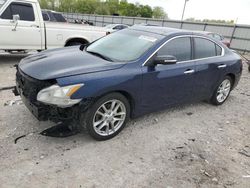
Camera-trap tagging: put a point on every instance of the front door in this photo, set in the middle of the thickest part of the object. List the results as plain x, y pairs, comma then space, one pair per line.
23, 34
165, 85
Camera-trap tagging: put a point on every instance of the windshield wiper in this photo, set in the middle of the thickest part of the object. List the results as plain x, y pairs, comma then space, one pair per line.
100, 55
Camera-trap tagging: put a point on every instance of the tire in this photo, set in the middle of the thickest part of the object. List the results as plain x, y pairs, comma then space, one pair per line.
249, 68
98, 123
222, 92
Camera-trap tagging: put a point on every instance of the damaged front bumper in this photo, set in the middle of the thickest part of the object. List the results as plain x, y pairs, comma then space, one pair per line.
28, 89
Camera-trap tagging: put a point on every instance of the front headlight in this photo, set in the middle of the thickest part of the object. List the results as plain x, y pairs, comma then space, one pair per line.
59, 96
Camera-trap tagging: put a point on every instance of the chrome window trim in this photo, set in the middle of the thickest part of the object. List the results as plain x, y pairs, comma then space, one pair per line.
192, 36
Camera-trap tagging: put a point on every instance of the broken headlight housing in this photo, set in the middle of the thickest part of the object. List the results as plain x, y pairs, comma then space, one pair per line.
59, 96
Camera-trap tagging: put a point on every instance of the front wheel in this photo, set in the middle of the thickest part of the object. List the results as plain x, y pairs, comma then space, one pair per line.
222, 92
107, 116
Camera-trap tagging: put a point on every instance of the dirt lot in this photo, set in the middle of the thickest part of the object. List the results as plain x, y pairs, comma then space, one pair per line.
197, 145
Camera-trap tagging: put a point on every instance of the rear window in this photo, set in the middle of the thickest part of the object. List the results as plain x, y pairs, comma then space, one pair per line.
24, 10
204, 48
45, 16
59, 17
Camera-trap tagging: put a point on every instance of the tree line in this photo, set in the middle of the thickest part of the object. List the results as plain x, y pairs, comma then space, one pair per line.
105, 7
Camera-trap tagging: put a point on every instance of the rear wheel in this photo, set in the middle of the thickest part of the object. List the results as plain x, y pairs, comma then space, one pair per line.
222, 92
107, 116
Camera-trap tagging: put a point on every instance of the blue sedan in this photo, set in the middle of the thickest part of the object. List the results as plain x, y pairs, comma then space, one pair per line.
124, 75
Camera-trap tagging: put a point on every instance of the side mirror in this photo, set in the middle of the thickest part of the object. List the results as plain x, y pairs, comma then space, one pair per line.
165, 60
16, 17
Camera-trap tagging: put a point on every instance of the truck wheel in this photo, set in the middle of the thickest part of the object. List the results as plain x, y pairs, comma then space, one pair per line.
107, 116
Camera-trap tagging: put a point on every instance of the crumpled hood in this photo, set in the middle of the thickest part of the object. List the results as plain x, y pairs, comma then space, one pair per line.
63, 62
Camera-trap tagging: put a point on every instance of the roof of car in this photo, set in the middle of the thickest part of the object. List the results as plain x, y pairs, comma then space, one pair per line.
160, 30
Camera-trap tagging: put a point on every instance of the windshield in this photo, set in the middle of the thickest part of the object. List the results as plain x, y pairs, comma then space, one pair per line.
125, 45
2, 3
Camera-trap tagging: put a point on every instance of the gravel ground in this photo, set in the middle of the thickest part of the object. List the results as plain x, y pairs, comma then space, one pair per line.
197, 145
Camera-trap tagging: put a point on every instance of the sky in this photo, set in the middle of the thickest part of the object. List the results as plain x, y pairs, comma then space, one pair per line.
237, 10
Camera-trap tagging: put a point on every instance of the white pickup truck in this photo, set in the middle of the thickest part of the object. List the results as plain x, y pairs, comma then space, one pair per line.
22, 29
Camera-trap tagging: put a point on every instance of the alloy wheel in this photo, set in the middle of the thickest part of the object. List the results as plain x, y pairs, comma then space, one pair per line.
109, 117
223, 91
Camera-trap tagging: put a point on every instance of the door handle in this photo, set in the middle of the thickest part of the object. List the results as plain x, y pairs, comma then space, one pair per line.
189, 71
222, 66
37, 26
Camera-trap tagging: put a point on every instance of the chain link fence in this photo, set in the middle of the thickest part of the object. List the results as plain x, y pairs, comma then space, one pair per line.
238, 35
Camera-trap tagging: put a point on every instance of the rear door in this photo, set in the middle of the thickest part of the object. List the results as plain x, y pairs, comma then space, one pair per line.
27, 33
165, 85
210, 66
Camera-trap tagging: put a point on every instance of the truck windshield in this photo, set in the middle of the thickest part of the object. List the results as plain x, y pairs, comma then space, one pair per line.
2, 3
125, 45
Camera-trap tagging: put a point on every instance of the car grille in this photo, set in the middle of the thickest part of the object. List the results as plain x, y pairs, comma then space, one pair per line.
30, 86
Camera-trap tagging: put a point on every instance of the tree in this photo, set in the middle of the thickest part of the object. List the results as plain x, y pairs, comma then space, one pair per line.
44, 4
131, 10
104, 7
145, 11
113, 6
67, 6
158, 12
52, 4
87, 6
123, 7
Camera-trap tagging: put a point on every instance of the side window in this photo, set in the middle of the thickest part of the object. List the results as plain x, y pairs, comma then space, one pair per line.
204, 48
7, 14
180, 48
24, 10
123, 27
117, 27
